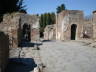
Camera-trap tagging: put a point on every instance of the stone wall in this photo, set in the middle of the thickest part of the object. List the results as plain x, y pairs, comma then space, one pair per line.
4, 50
88, 29
11, 32
12, 25
61, 21
33, 21
50, 32
64, 21
85, 28
94, 25
34, 35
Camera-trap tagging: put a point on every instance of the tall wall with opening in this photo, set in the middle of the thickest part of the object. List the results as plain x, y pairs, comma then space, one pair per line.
69, 25
15, 28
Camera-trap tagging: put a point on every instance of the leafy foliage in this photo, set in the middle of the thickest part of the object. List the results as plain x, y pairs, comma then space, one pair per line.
8, 6
61, 8
46, 19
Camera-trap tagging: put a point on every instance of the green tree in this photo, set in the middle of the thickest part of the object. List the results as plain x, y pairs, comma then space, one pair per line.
41, 25
8, 6
63, 7
53, 18
46, 19
60, 8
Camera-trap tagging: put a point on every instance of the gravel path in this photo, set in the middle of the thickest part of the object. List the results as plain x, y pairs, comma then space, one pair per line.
72, 56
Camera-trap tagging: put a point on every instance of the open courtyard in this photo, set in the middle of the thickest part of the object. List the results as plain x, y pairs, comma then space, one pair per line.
69, 56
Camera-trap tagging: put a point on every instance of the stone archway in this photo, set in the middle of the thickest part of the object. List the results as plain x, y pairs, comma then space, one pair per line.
26, 33
73, 31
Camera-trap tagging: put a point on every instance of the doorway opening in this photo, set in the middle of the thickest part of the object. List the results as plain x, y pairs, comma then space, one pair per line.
26, 37
73, 31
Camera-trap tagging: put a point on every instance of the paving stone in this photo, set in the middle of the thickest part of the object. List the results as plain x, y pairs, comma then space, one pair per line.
70, 56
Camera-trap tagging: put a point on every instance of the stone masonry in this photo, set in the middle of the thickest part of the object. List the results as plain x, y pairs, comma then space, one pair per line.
94, 25
13, 25
12, 33
72, 25
64, 22
4, 51
50, 32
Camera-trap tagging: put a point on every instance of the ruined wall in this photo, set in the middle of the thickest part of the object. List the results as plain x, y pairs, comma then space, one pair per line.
10, 26
64, 21
85, 28
61, 20
76, 17
11, 32
4, 50
50, 32
34, 35
94, 25
13, 24
88, 29
33, 21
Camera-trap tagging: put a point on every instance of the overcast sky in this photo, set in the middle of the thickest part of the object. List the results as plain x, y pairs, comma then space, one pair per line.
42, 6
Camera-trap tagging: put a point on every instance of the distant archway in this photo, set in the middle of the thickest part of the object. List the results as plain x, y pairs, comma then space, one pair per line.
26, 33
73, 31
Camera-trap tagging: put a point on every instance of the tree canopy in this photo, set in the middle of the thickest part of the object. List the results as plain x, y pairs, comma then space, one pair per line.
8, 6
60, 8
46, 19
49, 18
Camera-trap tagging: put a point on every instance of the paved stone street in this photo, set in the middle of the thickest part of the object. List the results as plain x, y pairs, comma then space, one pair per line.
72, 56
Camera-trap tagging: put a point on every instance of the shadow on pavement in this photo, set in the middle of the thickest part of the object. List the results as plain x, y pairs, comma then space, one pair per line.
29, 44
20, 65
46, 41
49, 41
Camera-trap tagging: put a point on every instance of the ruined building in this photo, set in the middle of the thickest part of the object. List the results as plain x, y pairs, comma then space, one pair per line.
72, 25
15, 29
18, 28
50, 33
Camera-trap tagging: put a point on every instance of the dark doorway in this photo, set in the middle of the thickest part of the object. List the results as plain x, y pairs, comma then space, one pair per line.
26, 33
73, 31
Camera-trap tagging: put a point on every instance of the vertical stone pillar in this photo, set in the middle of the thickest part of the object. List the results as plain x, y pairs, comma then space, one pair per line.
94, 25
4, 50
56, 27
